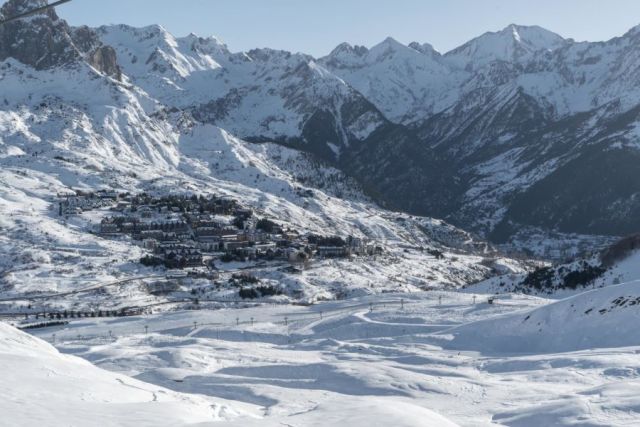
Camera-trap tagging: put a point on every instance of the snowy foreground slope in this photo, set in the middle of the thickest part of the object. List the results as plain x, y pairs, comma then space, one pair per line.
44, 387
340, 362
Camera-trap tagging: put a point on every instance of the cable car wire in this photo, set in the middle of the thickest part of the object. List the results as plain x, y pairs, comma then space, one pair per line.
33, 12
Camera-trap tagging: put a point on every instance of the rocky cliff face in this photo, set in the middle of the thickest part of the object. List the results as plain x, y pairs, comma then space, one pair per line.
41, 41
44, 41
104, 59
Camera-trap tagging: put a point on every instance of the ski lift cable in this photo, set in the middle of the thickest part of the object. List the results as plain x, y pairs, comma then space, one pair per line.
33, 11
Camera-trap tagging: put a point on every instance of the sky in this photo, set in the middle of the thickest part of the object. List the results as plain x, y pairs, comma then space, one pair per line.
316, 27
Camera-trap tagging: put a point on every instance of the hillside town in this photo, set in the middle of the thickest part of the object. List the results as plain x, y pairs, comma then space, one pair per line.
187, 231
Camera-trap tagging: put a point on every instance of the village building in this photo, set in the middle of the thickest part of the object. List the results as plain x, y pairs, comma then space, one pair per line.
107, 194
109, 228
332, 251
150, 244
163, 287
145, 211
212, 245
179, 229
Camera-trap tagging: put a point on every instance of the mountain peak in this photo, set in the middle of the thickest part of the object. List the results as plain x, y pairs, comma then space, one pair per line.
206, 45
633, 31
533, 35
425, 48
510, 44
346, 56
347, 49
387, 47
41, 41
513, 30
389, 43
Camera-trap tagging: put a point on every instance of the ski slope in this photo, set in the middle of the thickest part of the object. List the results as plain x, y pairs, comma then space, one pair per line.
44, 387
390, 360
600, 318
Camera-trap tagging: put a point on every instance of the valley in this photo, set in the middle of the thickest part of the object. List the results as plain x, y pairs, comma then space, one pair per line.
380, 236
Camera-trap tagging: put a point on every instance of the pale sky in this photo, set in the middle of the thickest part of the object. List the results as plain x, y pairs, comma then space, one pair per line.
316, 27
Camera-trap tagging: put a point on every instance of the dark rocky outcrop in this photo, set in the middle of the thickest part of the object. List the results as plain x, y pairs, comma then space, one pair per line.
44, 41
103, 58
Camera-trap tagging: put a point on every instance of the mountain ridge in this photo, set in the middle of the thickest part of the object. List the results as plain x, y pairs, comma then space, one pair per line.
421, 132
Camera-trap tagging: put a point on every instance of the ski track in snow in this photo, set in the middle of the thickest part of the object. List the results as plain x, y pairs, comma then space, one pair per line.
395, 364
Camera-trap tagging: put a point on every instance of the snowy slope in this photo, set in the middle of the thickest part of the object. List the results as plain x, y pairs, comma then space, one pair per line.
42, 386
263, 93
566, 279
380, 367
406, 83
599, 318
513, 44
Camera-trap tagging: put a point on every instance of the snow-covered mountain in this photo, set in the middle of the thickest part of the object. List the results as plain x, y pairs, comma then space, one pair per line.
616, 264
406, 83
411, 83
520, 129
153, 127
516, 133
514, 44
47, 41
480, 135
262, 94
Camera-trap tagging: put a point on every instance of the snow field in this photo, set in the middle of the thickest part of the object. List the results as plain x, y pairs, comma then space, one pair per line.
363, 365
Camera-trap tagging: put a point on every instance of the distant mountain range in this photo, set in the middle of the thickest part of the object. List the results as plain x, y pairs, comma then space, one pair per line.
515, 129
